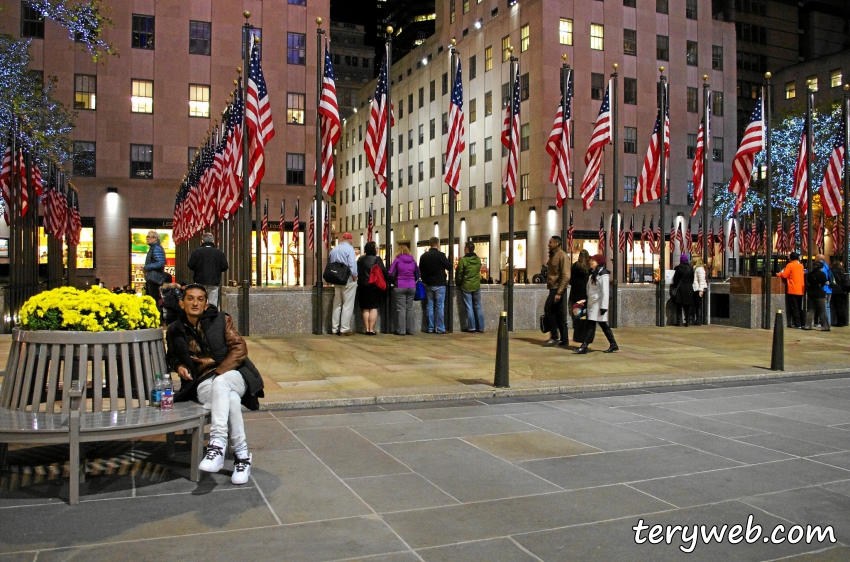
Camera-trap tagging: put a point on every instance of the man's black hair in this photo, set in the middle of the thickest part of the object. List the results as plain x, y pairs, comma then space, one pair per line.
195, 286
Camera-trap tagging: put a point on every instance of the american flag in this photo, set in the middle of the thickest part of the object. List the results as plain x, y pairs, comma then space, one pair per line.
830, 188
780, 247
804, 232
370, 224
675, 234
649, 182
311, 228
621, 235
5, 182
689, 240
801, 172
720, 237
326, 227
792, 235
57, 210
74, 222
763, 238
837, 236
264, 226
645, 234
601, 245
282, 223
21, 171
570, 233
659, 239
742, 165
376, 131
819, 234
558, 145
700, 239
510, 138
231, 196
744, 246
296, 224
611, 236
711, 239
457, 134
331, 125
732, 235
593, 157
36, 179
632, 234
697, 166
258, 117
754, 237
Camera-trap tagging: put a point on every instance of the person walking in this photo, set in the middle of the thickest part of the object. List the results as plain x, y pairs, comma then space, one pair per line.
369, 295
434, 264
344, 295
557, 278
839, 295
207, 264
827, 289
468, 278
597, 305
700, 286
406, 273
681, 290
579, 274
815, 281
796, 286
154, 267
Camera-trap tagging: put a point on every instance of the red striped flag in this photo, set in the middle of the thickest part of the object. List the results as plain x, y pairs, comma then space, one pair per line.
326, 228
376, 131
456, 143
711, 241
601, 244
282, 224
792, 235
650, 180
700, 239
296, 223
804, 233
754, 237
231, 196
570, 233
36, 179
621, 235
510, 138
721, 238
837, 236
742, 165
370, 224
6, 182
698, 177
264, 226
21, 171
820, 234
311, 228
558, 145
689, 240
593, 157
830, 188
801, 171
331, 125
74, 221
780, 247
674, 235
732, 235
258, 117
632, 234
659, 238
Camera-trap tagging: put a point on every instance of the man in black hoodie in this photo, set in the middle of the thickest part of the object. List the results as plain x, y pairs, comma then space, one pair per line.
433, 266
207, 263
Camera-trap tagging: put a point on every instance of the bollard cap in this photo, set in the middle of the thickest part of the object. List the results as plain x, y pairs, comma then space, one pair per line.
503, 313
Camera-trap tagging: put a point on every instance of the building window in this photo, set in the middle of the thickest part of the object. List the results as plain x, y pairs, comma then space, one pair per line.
488, 104
662, 47
421, 208
465, 6
296, 48
630, 91
597, 36
488, 149
717, 148
141, 161
661, 6
629, 3
630, 140
401, 109
717, 57
524, 134
692, 53
294, 169
812, 83
473, 106
410, 139
421, 134
142, 97
421, 171
295, 109
400, 144
410, 216
506, 94
565, 31
488, 59
143, 28
630, 42
472, 69
835, 78
445, 202
473, 155
523, 87
445, 83
432, 129
523, 187
629, 188
751, 33
410, 103
199, 37
692, 146
506, 43
409, 176
85, 91
452, 11
432, 167
693, 101
433, 205
84, 159
32, 24
445, 123
421, 97
401, 177
691, 9
597, 84
471, 197
488, 194
432, 91
199, 100
717, 103
524, 37
297, 2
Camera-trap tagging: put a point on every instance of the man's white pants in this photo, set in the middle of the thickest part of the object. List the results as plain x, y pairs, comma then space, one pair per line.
343, 306
222, 395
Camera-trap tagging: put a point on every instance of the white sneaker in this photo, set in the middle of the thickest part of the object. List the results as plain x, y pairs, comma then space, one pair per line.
241, 470
214, 459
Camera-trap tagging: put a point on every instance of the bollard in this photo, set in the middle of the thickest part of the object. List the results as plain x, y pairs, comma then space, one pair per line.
777, 354
502, 379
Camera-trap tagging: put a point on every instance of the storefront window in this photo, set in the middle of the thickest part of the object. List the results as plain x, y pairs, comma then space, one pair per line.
85, 251
520, 260
280, 266
139, 251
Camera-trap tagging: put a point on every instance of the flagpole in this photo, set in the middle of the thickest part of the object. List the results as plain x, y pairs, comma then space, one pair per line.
845, 253
661, 301
511, 109
565, 84
810, 100
706, 130
267, 245
454, 57
615, 195
768, 208
317, 238
244, 314
388, 254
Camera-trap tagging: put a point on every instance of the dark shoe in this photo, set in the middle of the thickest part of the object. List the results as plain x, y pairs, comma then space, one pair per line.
581, 350
825, 329
612, 349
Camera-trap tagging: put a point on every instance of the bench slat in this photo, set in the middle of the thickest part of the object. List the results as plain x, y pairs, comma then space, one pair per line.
150, 370
11, 367
125, 372
26, 386
139, 375
38, 387
53, 377
97, 377
67, 378
15, 421
18, 381
113, 378
83, 373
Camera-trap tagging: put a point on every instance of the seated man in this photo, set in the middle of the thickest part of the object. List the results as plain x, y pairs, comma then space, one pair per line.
211, 358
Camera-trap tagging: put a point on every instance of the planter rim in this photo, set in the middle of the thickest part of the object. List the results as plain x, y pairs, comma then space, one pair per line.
73, 337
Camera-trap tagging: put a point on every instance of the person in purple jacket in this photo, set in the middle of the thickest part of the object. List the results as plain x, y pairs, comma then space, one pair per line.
406, 273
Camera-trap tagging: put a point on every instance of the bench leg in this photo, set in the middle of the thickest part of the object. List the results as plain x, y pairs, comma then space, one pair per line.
170, 439
4, 448
197, 451
74, 483
82, 463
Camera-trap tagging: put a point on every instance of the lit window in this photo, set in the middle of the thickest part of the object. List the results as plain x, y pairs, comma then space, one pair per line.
835, 78
473, 158
524, 136
199, 101
433, 202
473, 106
525, 37
565, 31
445, 199
488, 59
790, 90
523, 187
141, 161
597, 35
142, 98
812, 82
295, 106
85, 91
506, 51
296, 48
717, 103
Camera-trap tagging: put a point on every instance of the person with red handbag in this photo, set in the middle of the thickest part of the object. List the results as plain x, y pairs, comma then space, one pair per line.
371, 285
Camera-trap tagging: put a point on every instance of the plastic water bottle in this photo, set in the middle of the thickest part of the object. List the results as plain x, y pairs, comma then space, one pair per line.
156, 391
167, 402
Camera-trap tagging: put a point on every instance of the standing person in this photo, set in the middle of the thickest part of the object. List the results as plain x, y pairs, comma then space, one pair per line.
369, 295
207, 264
579, 274
816, 314
468, 278
154, 267
171, 293
406, 273
344, 295
597, 305
683, 281
556, 281
839, 295
211, 359
700, 286
434, 264
827, 289
795, 277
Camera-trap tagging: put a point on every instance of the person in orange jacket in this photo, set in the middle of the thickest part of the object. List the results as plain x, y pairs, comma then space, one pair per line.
795, 275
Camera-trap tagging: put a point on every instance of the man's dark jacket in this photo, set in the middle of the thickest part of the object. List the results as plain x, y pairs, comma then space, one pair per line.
213, 344
207, 262
433, 266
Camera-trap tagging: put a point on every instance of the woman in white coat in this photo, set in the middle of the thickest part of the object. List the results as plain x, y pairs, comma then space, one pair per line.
700, 286
597, 305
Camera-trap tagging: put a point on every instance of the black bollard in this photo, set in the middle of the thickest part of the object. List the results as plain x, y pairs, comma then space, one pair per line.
502, 379
777, 354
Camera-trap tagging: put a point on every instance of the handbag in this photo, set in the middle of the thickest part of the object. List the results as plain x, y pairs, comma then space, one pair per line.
336, 273
543, 323
376, 277
579, 311
673, 290
420, 291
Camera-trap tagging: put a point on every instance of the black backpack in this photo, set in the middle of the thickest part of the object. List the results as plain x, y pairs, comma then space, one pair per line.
336, 273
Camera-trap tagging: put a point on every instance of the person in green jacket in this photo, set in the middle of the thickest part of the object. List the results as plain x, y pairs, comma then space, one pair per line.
468, 278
